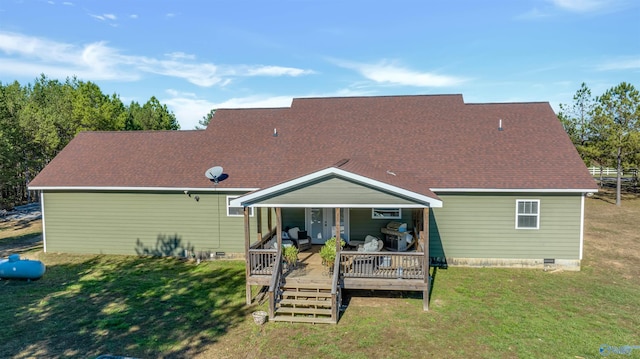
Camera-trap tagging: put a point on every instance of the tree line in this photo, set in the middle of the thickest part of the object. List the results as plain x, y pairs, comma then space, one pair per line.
605, 129
38, 120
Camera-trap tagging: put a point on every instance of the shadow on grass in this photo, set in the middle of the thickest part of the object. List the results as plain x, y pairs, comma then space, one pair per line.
26, 222
20, 244
139, 307
607, 191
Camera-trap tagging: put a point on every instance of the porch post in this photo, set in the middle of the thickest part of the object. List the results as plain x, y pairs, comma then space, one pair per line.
425, 248
279, 228
269, 220
338, 238
259, 223
247, 245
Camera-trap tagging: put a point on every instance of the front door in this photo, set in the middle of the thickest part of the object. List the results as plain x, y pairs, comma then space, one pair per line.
321, 224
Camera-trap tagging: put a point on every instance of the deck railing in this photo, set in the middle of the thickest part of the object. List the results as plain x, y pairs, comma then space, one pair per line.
274, 285
387, 265
265, 238
336, 292
262, 261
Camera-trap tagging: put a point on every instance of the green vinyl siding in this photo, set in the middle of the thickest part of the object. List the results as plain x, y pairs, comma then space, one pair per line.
335, 191
483, 226
130, 222
293, 217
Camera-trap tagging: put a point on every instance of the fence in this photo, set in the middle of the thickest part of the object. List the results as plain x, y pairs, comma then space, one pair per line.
606, 171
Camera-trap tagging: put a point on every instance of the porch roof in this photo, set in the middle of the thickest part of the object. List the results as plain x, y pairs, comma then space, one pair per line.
337, 187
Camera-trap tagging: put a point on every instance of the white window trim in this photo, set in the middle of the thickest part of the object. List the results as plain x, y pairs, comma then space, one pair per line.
236, 215
537, 215
399, 216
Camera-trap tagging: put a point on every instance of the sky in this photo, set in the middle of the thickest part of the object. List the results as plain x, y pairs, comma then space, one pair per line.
195, 56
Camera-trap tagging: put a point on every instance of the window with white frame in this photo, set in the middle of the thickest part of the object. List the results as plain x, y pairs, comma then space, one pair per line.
386, 213
236, 211
527, 214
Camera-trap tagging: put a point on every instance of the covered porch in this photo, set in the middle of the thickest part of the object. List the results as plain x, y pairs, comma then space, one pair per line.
312, 292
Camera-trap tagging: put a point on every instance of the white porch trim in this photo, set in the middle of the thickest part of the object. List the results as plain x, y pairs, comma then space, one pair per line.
417, 197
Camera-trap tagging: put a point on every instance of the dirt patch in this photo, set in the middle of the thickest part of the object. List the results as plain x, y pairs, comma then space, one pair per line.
609, 241
378, 298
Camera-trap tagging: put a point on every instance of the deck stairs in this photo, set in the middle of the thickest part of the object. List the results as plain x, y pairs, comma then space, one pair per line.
305, 301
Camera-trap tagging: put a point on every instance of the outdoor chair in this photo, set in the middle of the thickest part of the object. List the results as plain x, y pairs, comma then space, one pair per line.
301, 239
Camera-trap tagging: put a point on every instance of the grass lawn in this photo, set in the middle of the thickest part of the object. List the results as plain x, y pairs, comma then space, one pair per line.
85, 306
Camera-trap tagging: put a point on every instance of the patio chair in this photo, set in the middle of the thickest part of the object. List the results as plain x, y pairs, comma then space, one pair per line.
301, 239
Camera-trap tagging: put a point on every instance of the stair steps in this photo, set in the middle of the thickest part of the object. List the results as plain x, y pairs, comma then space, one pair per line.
300, 302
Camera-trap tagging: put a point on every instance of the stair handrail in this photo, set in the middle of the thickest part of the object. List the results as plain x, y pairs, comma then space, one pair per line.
274, 284
265, 238
335, 292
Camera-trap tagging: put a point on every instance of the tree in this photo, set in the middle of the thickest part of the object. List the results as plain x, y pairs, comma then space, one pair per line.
38, 120
616, 126
11, 143
576, 120
151, 116
95, 111
206, 120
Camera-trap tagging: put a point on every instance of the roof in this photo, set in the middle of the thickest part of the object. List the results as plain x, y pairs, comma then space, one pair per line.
415, 143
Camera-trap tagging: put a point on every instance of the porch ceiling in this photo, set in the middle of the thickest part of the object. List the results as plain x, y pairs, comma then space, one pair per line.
334, 187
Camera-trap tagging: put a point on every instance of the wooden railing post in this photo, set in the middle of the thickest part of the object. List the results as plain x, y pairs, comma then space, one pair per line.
279, 228
336, 291
426, 262
338, 237
274, 284
259, 222
247, 244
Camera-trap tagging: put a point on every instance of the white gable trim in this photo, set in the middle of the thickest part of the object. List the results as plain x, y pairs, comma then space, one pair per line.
241, 201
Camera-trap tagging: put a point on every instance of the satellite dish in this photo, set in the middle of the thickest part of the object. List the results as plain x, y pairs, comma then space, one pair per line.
214, 173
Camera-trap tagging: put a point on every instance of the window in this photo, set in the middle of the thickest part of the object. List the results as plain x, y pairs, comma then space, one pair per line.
386, 213
236, 211
527, 214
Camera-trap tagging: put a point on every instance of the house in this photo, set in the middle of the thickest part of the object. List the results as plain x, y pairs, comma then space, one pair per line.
497, 184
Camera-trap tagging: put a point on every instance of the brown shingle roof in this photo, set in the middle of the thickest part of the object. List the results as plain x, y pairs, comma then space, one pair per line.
426, 141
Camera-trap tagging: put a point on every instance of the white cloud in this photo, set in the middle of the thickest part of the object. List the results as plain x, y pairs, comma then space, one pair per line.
133, 16
180, 56
200, 74
111, 18
580, 5
534, 14
592, 6
67, 3
97, 60
256, 101
275, 71
626, 63
189, 109
587, 7
387, 72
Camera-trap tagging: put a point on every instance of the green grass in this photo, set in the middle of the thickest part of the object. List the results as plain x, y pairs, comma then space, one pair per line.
90, 305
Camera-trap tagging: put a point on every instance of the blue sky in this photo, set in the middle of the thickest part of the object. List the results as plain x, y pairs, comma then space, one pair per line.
198, 55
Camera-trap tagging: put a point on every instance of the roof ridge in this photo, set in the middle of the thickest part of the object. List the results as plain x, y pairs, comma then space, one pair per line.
376, 96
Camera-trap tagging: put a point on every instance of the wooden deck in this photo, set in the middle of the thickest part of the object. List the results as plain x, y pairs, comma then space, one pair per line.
358, 270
